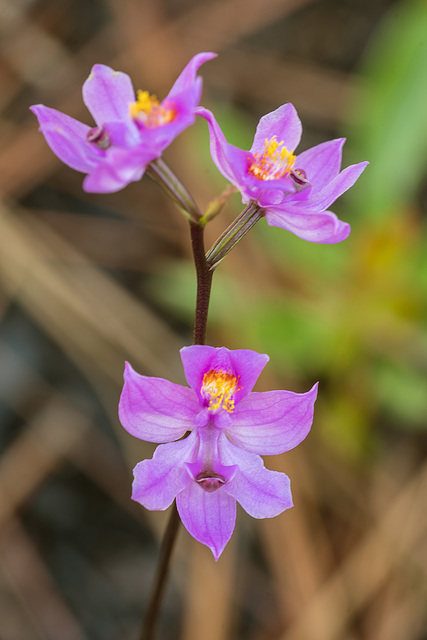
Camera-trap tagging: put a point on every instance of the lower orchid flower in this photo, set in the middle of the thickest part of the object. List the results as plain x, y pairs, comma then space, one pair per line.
129, 133
294, 192
214, 432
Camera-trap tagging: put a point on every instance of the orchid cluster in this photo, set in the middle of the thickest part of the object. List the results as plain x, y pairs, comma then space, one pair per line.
212, 433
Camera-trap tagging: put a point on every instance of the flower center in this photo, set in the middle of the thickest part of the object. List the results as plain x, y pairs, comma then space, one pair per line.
148, 110
273, 163
219, 388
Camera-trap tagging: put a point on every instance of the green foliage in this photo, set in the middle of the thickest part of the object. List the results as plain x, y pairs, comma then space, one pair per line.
391, 114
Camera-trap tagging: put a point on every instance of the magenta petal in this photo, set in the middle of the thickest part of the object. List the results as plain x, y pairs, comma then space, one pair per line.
309, 225
120, 135
108, 94
221, 151
154, 409
321, 163
158, 481
118, 169
208, 517
196, 362
189, 73
272, 422
248, 365
262, 493
106, 179
283, 123
66, 137
243, 363
341, 183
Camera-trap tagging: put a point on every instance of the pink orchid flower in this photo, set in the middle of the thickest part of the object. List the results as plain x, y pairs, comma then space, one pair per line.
294, 191
214, 432
130, 131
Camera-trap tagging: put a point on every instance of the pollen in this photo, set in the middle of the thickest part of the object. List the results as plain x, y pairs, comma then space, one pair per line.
150, 112
274, 162
219, 388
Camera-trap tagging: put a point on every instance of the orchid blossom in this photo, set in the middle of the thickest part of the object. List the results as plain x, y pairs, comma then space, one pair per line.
214, 432
294, 191
131, 131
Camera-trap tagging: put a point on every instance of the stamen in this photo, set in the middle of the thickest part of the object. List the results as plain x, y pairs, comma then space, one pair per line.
150, 112
99, 136
273, 163
219, 388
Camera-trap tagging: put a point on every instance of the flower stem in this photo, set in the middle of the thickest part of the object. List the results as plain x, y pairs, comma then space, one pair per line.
204, 283
161, 575
167, 180
233, 234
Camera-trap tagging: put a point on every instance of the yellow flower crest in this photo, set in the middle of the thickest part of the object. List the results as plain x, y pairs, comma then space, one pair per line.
148, 110
274, 162
221, 387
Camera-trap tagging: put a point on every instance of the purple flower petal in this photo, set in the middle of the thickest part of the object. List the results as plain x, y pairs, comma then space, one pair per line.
262, 493
208, 517
283, 124
118, 169
341, 183
120, 135
154, 409
188, 75
196, 362
243, 363
158, 481
108, 94
272, 422
66, 137
248, 365
224, 154
107, 179
322, 162
309, 225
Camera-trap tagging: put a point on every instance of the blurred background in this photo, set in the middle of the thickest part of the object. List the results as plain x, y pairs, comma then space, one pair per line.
89, 281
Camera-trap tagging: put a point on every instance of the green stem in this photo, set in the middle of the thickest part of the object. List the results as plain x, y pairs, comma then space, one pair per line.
167, 180
233, 234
